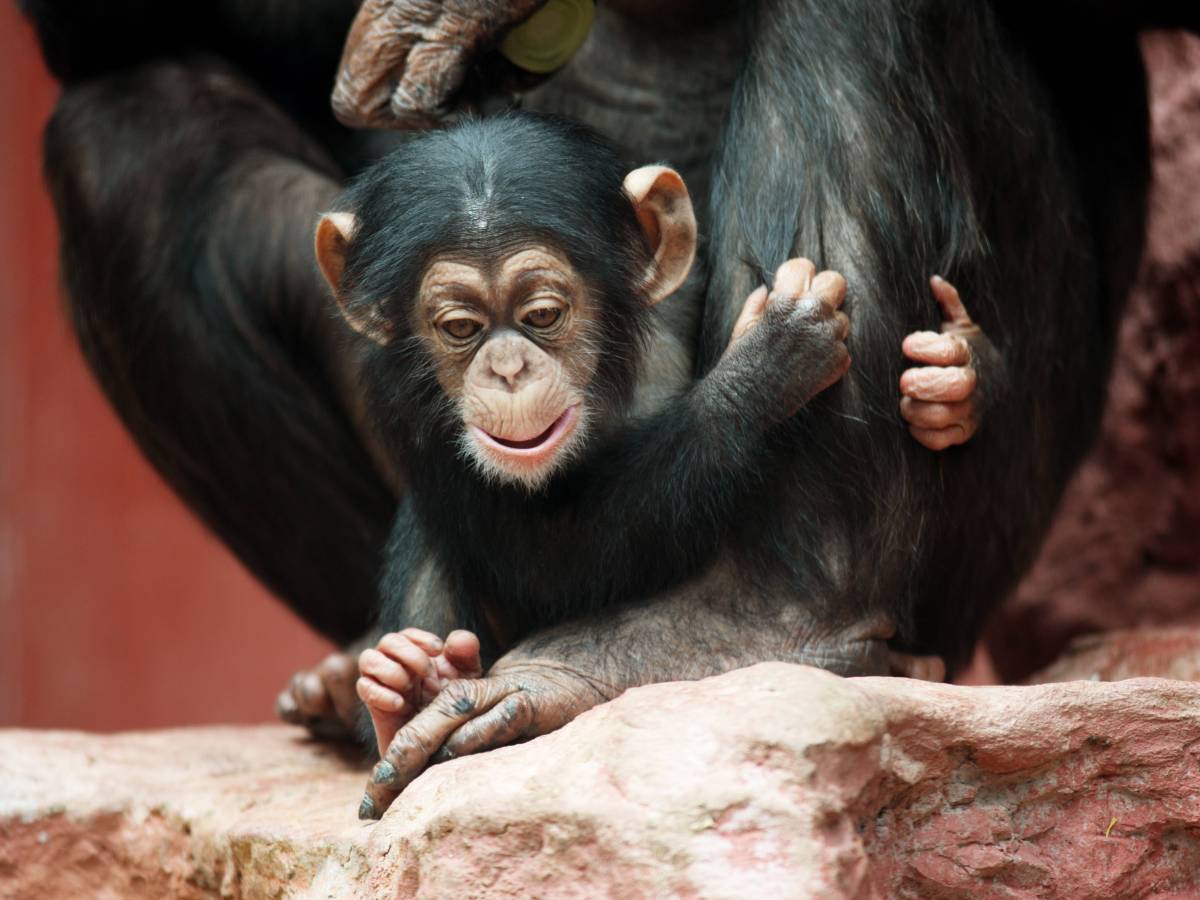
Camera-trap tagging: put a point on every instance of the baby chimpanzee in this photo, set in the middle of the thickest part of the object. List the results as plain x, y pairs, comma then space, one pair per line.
505, 272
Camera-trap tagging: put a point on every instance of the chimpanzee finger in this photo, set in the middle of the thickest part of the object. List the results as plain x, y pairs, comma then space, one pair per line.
925, 414
935, 349
842, 331
923, 668
387, 671
830, 287
339, 672
375, 50
462, 652
311, 696
426, 640
402, 650
941, 384
509, 720
304, 700
794, 278
433, 73
286, 708
752, 312
941, 438
951, 303
378, 696
409, 753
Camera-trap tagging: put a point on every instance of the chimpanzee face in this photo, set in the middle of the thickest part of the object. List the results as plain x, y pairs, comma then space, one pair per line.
513, 330
514, 344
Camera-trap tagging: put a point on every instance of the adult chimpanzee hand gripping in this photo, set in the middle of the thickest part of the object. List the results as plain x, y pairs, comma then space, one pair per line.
885, 139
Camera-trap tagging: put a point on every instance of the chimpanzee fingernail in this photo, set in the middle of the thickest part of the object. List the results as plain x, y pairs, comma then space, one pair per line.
384, 773
366, 809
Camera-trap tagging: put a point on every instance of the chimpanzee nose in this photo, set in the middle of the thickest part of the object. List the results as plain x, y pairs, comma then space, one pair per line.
508, 366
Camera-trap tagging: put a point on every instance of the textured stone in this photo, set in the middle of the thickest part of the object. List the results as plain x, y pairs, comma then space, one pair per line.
1125, 548
1150, 652
775, 780
194, 812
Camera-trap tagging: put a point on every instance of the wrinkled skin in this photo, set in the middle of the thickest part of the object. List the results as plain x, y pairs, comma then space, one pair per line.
404, 672
406, 59
323, 699
520, 699
939, 401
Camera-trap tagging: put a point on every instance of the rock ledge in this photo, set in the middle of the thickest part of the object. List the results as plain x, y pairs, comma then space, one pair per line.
774, 780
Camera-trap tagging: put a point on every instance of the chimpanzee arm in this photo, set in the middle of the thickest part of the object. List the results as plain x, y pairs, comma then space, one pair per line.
185, 200
673, 479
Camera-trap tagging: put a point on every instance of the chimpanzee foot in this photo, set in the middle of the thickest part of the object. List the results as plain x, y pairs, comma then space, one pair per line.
515, 702
406, 670
322, 699
922, 668
864, 648
939, 401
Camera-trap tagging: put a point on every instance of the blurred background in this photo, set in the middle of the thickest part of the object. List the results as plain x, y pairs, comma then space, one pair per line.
118, 610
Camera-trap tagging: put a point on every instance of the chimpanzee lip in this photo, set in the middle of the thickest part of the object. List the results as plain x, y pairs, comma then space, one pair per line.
537, 446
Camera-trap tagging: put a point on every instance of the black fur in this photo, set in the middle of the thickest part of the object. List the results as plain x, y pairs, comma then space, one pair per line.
647, 504
888, 138
217, 360
924, 144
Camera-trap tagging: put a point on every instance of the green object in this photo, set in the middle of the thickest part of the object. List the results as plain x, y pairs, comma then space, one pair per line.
543, 43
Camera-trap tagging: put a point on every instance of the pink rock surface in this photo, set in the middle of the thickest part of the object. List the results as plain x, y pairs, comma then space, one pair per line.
1150, 652
775, 780
1125, 547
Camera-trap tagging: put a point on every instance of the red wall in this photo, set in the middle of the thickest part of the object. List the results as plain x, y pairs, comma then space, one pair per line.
117, 609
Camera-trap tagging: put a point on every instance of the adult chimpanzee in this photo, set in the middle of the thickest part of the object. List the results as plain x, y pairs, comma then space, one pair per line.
886, 139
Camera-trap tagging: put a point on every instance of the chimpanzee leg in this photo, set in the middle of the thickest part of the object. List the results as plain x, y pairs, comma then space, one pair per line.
918, 140
187, 203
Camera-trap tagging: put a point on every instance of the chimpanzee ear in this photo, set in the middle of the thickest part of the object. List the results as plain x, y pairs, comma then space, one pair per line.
664, 210
334, 232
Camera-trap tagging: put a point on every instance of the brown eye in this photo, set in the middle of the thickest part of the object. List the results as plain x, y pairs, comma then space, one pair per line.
461, 329
542, 317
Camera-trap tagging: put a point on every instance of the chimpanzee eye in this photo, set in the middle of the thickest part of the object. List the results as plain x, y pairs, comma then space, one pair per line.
461, 329
542, 316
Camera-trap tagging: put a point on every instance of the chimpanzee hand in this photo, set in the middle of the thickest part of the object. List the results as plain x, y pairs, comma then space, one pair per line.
322, 698
788, 345
404, 60
517, 700
404, 672
940, 402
